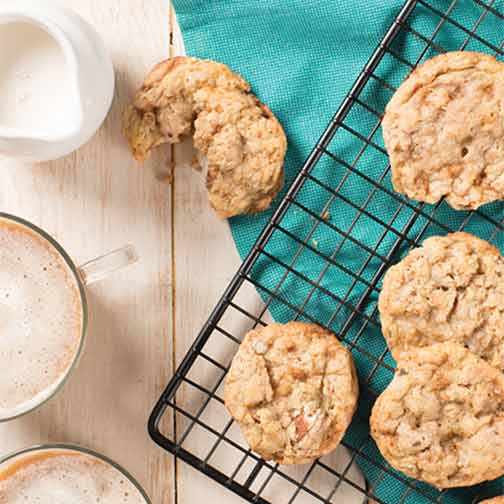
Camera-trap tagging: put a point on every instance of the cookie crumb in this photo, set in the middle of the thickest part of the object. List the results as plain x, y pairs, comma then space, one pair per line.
195, 164
260, 347
165, 177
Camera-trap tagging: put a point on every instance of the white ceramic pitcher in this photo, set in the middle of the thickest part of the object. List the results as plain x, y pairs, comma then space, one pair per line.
91, 77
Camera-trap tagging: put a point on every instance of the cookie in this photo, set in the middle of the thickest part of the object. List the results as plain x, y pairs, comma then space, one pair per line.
444, 131
239, 141
495, 500
293, 390
441, 419
450, 289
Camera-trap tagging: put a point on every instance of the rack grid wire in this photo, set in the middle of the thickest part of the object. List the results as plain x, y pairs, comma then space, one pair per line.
205, 436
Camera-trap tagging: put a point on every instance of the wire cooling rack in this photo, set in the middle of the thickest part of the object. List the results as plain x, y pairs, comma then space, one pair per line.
205, 437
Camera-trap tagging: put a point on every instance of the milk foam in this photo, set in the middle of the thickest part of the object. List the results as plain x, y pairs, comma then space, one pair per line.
40, 319
62, 477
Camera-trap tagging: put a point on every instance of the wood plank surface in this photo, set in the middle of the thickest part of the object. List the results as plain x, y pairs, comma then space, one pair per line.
94, 201
205, 260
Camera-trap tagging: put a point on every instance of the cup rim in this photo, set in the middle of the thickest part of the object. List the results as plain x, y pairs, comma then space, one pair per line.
83, 301
79, 449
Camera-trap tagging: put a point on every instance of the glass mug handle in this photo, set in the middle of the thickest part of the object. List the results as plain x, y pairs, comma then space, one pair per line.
103, 266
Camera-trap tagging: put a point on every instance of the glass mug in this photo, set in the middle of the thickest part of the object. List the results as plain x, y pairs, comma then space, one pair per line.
42, 293
52, 471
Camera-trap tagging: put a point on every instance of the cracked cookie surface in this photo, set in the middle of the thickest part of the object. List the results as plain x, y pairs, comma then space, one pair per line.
441, 419
450, 289
444, 131
240, 142
293, 390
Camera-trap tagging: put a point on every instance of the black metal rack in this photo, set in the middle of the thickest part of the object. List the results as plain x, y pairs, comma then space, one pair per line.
194, 396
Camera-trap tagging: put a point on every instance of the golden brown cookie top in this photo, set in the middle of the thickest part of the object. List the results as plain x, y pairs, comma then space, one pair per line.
293, 390
240, 143
244, 149
450, 289
495, 500
441, 419
444, 131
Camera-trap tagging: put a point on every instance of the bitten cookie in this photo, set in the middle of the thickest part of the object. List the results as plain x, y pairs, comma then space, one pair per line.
444, 131
450, 289
240, 142
293, 390
441, 419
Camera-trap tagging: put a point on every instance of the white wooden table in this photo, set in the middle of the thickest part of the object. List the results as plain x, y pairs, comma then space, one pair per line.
143, 319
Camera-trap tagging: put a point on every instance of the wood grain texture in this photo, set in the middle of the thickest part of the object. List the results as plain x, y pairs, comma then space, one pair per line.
94, 201
205, 260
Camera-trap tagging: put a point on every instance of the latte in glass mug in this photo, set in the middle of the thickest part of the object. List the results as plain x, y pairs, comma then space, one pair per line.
41, 318
66, 475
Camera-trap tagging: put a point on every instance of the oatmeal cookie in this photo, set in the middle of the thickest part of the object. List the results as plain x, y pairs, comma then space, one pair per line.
240, 142
450, 289
441, 419
293, 390
444, 131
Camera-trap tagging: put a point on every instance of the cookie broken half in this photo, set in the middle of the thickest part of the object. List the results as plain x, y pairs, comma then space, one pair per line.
240, 142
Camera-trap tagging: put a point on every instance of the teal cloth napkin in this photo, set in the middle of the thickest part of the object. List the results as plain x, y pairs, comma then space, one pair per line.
301, 57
